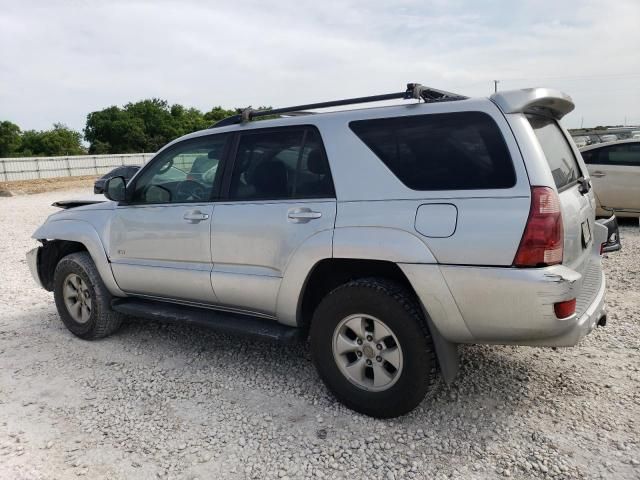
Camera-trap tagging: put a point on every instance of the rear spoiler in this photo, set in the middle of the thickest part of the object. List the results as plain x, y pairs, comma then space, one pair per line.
534, 100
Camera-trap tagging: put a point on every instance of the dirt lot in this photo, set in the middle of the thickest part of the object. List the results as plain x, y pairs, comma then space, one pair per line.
20, 187
160, 401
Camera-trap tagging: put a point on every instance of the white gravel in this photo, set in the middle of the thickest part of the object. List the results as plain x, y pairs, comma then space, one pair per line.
161, 401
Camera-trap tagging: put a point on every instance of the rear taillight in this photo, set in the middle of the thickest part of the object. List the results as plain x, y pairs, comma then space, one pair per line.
565, 309
543, 238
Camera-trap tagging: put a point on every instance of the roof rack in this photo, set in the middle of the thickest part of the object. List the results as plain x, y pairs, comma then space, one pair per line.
414, 90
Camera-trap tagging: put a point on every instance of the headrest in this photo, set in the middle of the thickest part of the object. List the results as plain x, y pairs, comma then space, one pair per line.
316, 163
200, 164
270, 179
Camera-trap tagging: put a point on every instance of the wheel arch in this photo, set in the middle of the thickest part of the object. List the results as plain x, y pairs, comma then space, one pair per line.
68, 236
330, 273
51, 252
374, 244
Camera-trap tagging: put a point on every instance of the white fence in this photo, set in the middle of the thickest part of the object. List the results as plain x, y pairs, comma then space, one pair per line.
27, 168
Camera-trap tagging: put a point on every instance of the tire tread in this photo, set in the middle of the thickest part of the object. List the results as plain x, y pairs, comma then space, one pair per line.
408, 302
107, 321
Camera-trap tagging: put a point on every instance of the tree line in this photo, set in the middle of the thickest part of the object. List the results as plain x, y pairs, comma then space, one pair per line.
60, 140
143, 126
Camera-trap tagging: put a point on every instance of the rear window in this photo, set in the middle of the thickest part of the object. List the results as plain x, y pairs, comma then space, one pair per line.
444, 151
563, 165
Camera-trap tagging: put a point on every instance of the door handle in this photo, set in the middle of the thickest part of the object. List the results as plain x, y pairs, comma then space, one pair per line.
195, 216
598, 174
302, 215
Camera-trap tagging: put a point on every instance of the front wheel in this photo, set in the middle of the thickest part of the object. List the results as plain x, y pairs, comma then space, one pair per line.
372, 348
82, 300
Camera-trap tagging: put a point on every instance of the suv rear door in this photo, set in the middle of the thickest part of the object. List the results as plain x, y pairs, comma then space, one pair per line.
578, 211
279, 193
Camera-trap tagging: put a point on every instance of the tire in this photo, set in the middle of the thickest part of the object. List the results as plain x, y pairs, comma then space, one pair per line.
96, 319
379, 304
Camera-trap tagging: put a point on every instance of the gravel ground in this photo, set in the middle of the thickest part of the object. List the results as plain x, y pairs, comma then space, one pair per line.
164, 401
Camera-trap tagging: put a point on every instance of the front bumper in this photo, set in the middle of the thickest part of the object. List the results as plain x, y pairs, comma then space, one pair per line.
32, 261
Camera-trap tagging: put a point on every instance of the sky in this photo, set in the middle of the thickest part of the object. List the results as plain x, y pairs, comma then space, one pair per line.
60, 60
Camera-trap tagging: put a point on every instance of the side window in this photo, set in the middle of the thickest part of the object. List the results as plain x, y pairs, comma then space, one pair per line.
186, 172
624, 154
449, 151
281, 164
590, 156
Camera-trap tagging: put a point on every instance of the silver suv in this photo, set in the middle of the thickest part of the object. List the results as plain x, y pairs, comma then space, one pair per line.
387, 236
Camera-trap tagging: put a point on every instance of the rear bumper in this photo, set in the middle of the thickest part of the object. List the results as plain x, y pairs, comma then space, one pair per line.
583, 324
512, 306
32, 261
515, 306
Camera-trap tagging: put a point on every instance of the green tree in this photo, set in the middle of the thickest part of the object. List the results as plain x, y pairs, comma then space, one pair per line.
9, 139
188, 120
146, 125
218, 113
159, 126
113, 130
60, 140
143, 126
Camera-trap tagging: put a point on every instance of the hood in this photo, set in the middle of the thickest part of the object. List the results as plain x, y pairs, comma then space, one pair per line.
75, 203
87, 204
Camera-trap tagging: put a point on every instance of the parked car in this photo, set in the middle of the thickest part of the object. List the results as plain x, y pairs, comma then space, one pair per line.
581, 141
388, 236
608, 138
126, 171
614, 169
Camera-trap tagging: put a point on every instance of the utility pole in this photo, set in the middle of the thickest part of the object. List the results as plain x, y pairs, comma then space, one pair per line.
495, 85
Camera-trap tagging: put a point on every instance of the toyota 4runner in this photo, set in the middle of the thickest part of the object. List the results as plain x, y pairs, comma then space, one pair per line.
386, 235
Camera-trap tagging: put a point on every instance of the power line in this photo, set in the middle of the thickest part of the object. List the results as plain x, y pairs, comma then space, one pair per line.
577, 77
566, 77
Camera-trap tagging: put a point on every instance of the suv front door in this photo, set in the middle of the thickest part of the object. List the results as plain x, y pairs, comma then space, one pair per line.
280, 194
159, 241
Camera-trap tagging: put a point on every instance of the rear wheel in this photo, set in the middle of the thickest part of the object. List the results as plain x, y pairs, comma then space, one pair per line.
372, 348
82, 300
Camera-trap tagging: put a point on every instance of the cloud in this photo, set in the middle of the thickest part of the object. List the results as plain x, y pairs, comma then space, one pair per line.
61, 60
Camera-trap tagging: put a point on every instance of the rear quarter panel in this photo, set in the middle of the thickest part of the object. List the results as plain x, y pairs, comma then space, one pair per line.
489, 223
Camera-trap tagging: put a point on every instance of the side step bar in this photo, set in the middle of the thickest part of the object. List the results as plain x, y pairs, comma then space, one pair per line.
226, 322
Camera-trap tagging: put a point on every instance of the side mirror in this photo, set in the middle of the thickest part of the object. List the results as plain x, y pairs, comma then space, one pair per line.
115, 189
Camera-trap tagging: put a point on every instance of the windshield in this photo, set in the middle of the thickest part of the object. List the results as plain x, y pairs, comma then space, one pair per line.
563, 164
